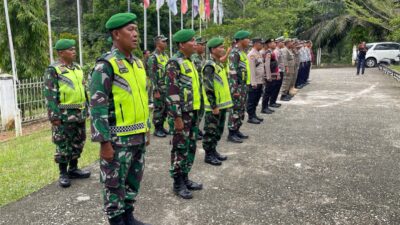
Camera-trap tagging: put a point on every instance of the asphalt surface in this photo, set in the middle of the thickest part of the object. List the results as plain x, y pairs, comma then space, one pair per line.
329, 156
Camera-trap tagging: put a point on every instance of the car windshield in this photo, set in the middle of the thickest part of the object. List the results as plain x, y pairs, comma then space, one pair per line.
369, 46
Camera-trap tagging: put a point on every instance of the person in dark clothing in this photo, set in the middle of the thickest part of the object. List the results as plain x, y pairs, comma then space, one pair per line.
361, 52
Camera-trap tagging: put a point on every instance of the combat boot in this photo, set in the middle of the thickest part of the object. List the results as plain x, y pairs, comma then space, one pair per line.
74, 172
165, 131
259, 118
191, 185
267, 111
275, 105
241, 135
232, 137
211, 159
118, 220
253, 120
64, 180
219, 156
180, 188
159, 132
285, 98
129, 219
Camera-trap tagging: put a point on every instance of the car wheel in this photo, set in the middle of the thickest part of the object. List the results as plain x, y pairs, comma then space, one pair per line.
370, 62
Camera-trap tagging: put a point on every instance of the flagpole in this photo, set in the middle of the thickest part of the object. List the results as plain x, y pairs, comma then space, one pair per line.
79, 32
17, 121
158, 22
200, 24
49, 31
129, 5
170, 34
145, 26
192, 16
181, 18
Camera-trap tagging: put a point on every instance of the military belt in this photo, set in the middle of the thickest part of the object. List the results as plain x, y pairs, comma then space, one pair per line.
123, 129
71, 106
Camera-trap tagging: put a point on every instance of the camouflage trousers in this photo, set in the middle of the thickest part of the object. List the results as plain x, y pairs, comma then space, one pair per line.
121, 178
213, 128
201, 112
184, 144
160, 112
237, 112
69, 139
287, 79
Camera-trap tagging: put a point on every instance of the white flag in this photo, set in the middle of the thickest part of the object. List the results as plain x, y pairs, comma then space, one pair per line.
159, 4
221, 11
172, 6
195, 8
215, 11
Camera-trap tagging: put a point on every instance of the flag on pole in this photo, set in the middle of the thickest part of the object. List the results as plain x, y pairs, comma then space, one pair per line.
215, 11
221, 11
159, 4
146, 3
201, 10
195, 7
184, 6
172, 6
207, 9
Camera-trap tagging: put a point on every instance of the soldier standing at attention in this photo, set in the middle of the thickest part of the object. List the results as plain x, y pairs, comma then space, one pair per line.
282, 68
239, 76
120, 119
183, 98
198, 59
66, 104
257, 74
217, 99
156, 68
288, 61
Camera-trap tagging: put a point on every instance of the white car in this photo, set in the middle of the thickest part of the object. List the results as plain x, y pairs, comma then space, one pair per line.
381, 50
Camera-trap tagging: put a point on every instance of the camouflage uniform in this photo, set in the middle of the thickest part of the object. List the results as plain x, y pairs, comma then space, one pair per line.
156, 74
122, 176
183, 143
69, 137
237, 83
198, 62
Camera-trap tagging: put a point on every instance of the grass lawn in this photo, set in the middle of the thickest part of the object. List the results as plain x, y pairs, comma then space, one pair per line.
27, 164
397, 68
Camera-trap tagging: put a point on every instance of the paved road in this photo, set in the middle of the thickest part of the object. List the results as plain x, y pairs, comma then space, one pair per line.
330, 156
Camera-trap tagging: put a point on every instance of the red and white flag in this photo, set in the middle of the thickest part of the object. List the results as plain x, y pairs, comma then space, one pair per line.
184, 6
146, 3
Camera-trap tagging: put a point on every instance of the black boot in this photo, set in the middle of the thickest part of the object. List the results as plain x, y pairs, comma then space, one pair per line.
275, 105
64, 180
74, 172
253, 120
232, 137
180, 188
159, 132
118, 220
267, 111
129, 219
191, 185
211, 159
241, 135
165, 131
219, 156
259, 118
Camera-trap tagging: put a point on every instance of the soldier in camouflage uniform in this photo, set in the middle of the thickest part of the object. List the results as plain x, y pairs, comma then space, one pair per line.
238, 79
183, 98
120, 119
65, 95
156, 65
217, 98
198, 60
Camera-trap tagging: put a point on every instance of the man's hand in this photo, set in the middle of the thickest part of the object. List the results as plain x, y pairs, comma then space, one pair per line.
106, 151
147, 138
215, 111
178, 123
157, 95
56, 122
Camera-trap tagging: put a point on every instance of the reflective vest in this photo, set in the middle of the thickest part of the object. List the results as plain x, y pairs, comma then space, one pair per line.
71, 88
245, 60
162, 60
130, 97
189, 79
221, 88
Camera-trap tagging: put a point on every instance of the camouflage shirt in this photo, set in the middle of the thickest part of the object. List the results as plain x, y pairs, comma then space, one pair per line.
156, 71
237, 71
198, 61
102, 103
52, 96
175, 86
209, 74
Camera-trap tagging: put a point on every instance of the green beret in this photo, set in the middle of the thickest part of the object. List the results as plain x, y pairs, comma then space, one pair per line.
183, 35
242, 34
215, 42
120, 20
63, 44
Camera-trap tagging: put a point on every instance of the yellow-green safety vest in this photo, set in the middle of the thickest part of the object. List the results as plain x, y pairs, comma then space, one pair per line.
190, 80
245, 60
221, 89
71, 88
130, 97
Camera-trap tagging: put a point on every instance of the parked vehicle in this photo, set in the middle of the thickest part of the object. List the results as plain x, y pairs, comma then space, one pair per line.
382, 50
388, 62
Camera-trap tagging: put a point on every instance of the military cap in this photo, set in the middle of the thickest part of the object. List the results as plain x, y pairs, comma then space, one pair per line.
63, 44
200, 40
280, 39
215, 42
183, 35
257, 39
269, 40
241, 34
120, 20
160, 37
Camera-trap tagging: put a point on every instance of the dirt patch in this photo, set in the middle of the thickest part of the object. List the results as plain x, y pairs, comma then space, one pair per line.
26, 130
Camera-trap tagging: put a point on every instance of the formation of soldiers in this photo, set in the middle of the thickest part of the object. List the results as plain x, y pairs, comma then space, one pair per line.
220, 86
